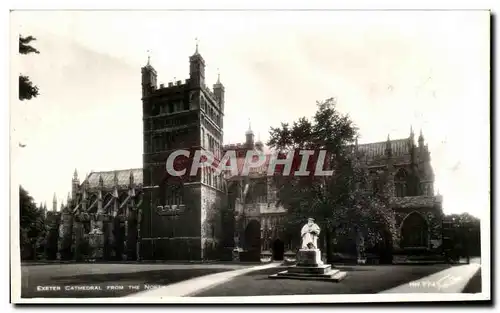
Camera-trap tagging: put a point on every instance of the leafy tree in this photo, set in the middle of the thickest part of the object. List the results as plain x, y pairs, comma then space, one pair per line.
339, 203
27, 90
52, 222
465, 234
32, 225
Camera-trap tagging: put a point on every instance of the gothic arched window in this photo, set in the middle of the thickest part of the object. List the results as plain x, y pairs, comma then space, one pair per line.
401, 183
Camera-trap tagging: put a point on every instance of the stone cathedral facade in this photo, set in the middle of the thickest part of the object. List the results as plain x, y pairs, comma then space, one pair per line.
145, 214
418, 210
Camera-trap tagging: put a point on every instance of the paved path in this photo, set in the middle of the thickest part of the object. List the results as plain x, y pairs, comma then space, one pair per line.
188, 287
451, 280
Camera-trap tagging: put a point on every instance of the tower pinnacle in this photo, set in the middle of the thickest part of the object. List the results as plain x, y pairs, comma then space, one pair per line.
421, 139
388, 146
249, 135
54, 203
249, 131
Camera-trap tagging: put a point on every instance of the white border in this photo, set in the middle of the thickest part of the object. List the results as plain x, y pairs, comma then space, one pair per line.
242, 5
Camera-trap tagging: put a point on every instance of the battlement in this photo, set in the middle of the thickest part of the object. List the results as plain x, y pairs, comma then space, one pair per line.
207, 89
174, 84
234, 146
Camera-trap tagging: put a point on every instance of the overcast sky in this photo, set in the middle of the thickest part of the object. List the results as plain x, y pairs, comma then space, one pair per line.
388, 70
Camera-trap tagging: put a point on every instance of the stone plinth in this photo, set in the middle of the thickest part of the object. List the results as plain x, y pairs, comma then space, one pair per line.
310, 267
309, 257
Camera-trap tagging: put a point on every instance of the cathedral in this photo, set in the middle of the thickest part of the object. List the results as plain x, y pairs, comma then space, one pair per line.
142, 213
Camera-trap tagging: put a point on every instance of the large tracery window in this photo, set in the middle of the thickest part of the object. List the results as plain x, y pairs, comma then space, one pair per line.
401, 183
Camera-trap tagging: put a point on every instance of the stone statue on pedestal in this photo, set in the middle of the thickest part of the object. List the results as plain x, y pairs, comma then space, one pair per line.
309, 234
309, 264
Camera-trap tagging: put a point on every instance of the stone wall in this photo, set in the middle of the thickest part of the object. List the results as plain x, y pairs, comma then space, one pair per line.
172, 235
211, 221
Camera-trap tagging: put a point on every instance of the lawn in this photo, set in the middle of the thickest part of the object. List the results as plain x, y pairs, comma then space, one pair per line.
360, 279
106, 281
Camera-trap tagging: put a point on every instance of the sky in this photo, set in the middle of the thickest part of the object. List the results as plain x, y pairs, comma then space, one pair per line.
389, 70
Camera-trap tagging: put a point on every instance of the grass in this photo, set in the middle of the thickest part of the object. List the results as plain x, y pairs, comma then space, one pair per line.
360, 279
105, 281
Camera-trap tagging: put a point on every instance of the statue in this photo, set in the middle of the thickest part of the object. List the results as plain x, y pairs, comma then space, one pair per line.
310, 233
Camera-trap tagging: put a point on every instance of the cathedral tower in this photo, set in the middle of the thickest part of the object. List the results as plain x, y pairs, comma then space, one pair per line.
179, 212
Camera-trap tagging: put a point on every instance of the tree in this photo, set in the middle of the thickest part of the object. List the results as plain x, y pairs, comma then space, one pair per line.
338, 202
27, 90
465, 234
32, 225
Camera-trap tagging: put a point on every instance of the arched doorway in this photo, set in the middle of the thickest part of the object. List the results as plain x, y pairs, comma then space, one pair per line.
414, 231
252, 240
278, 250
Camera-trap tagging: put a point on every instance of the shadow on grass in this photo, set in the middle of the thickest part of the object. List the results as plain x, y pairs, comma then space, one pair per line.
106, 282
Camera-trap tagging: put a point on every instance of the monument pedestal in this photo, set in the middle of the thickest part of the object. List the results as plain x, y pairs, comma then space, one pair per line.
310, 267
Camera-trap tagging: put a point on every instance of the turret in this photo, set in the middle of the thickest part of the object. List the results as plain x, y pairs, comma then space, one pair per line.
421, 140
196, 69
388, 147
412, 137
149, 79
54, 203
75, 185
249, 137
219, 92
259, 145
